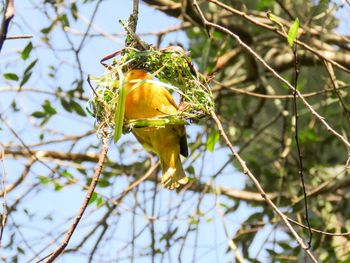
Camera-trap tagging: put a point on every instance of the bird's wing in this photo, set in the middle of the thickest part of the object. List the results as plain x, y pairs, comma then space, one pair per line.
180, 130
183, 144
168, 96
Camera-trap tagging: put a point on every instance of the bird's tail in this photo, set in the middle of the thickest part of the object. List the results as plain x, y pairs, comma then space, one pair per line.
173, 177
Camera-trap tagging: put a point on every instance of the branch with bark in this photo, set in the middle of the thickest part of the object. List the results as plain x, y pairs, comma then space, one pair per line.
9, 12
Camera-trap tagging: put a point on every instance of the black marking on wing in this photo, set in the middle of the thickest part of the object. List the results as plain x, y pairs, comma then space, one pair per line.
183, 146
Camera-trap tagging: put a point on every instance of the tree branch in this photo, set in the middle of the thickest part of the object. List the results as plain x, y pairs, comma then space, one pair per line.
91, 157
3, 194
85, 203
9, 12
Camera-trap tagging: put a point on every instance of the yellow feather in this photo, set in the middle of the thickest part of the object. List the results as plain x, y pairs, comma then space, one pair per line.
147, 100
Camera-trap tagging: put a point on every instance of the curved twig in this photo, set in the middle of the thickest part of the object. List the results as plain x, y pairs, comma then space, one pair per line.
335, 234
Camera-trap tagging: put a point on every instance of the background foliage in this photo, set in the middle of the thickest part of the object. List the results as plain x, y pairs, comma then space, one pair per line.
50, 147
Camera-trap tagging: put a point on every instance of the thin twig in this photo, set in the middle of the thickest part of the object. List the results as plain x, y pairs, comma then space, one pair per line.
95, 178
133, 40
25, 145
335, 234
296, 137
136, 183
18, 37
247, 172
231, 242
9, 12
270, 96
3, 186
335, 88
91, 20
28, 245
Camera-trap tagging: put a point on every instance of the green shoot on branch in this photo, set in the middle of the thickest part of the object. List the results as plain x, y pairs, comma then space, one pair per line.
293, 32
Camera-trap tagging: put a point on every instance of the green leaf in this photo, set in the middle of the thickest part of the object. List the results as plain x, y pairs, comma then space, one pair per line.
66, 105
190, 170
293, 32
38, 114
67, 174
48, 108
47, 30
272, 17
57, 185
43, 180
74, 10
99, 201
168, 235
11, 76
93, 198
308, 135
77, 108
193, 221
285, 245
44, 121
25, 79
264, 4
64, 20
104, 183
26, 51
90, 111
212, 140
345, 260
30, 66
20, 250
119, 114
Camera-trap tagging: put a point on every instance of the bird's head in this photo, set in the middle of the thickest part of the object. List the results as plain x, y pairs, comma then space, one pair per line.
137, 74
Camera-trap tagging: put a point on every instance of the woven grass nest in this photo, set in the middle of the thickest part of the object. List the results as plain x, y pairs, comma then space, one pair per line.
170, 67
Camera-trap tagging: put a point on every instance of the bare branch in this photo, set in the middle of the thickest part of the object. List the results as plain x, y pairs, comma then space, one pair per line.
18, 37
92, 186
3, 194
9, 12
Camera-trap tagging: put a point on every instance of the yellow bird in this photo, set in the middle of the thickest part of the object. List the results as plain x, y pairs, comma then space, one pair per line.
147, 100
